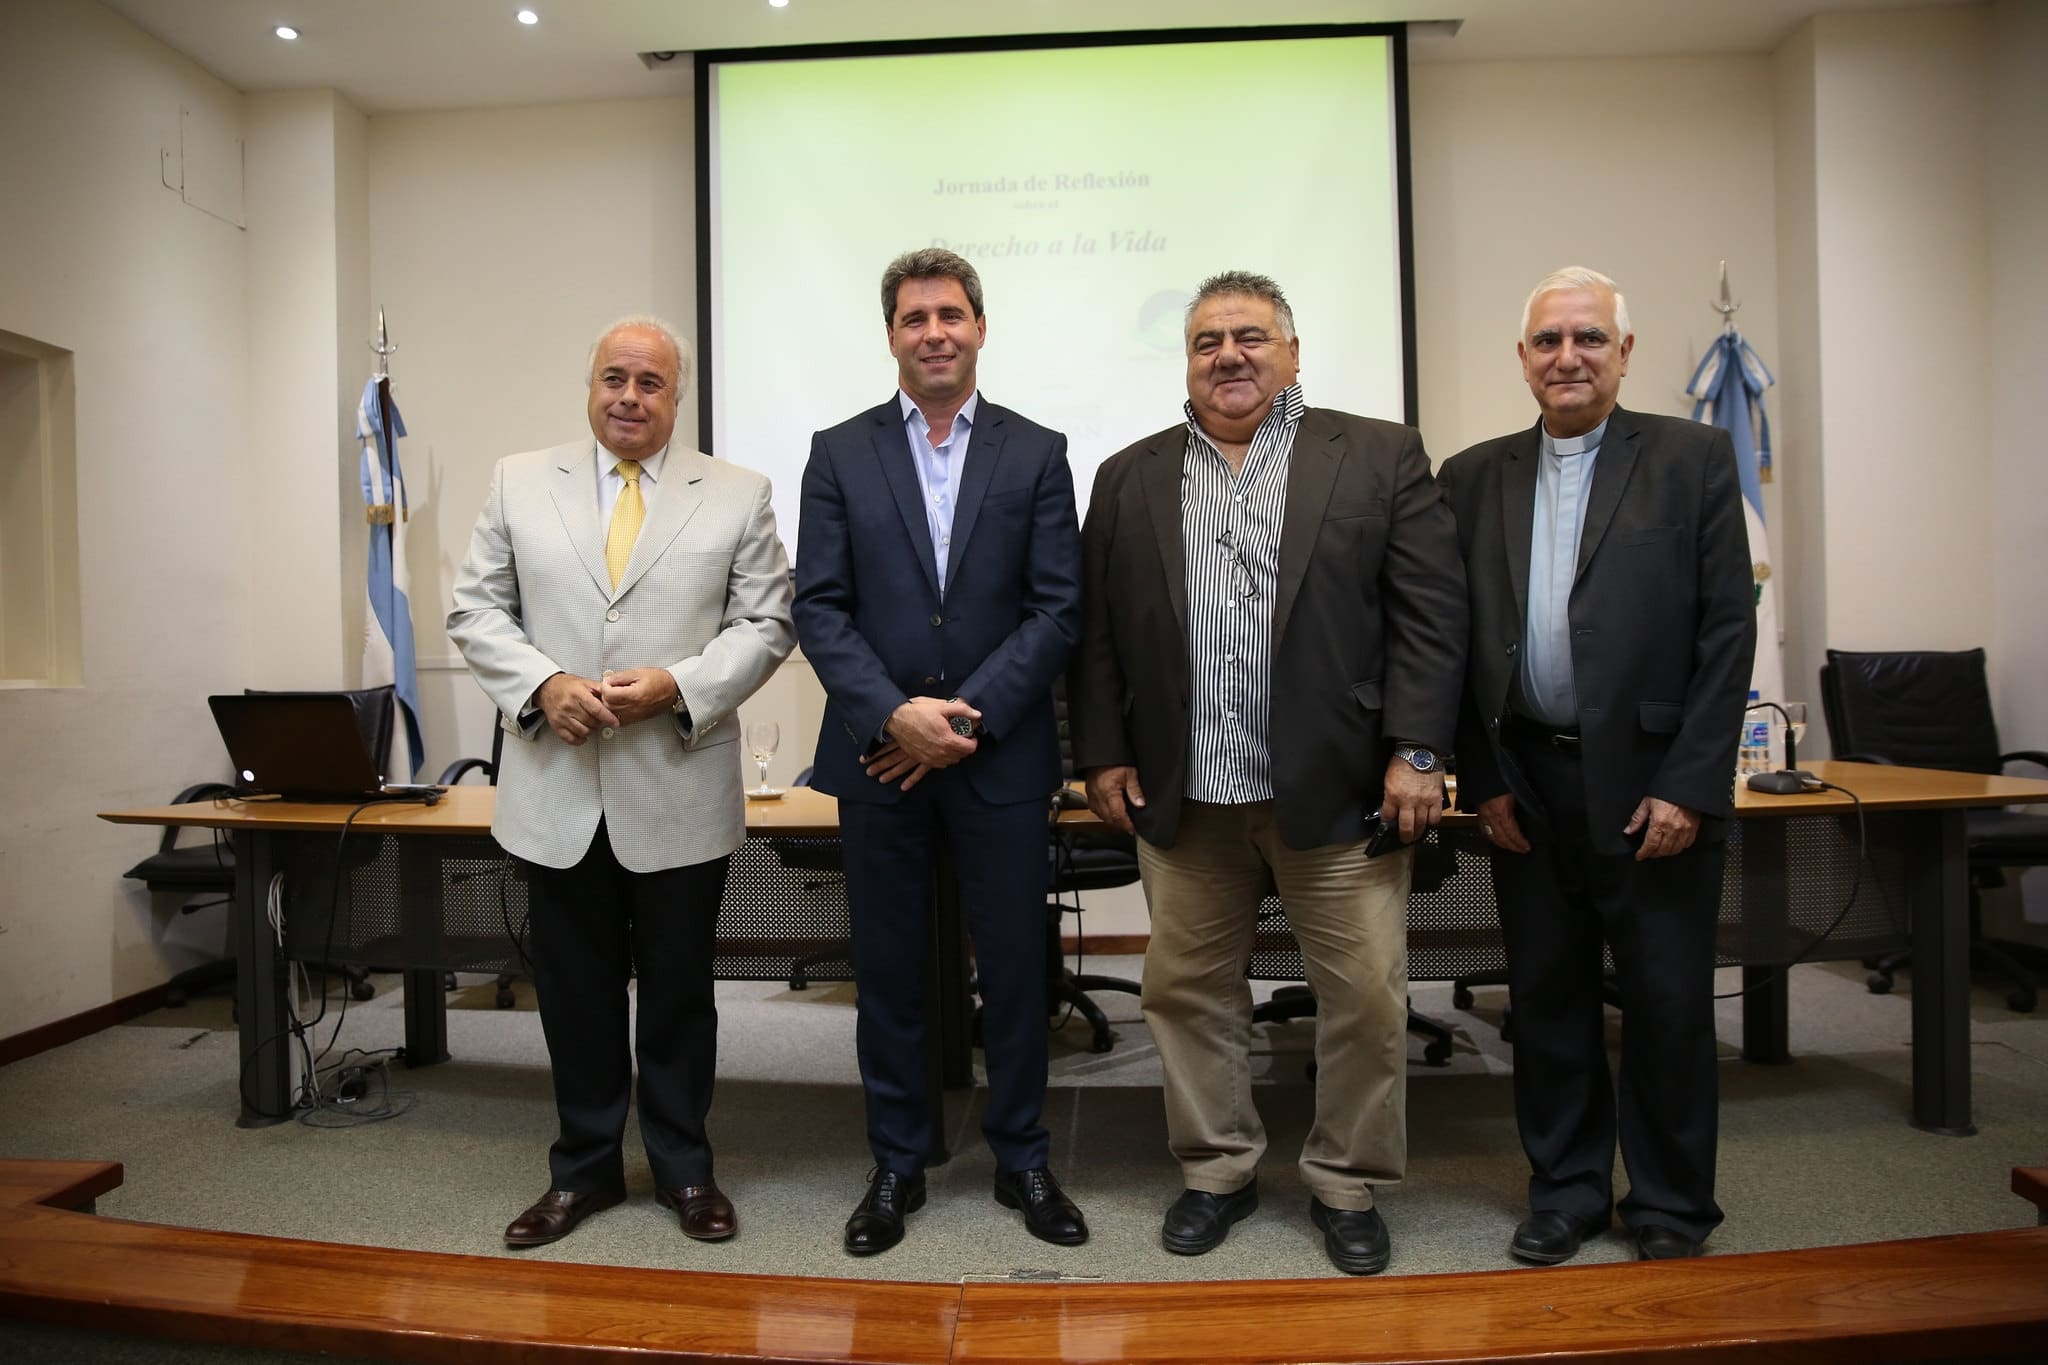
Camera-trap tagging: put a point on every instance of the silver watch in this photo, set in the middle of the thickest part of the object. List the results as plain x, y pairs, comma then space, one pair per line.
1417, 757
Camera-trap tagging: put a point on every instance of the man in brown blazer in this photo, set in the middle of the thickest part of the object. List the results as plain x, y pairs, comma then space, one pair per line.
1272, 641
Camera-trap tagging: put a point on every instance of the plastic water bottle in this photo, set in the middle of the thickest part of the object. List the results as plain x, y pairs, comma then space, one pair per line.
1754, 753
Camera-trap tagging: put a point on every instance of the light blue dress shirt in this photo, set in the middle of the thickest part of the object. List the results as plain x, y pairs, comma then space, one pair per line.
938, 470
1564, 483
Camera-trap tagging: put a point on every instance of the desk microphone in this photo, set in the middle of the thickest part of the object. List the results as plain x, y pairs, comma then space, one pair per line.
1792, 781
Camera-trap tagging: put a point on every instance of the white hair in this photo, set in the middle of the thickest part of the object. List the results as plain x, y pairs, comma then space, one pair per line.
652, 324
1576, 277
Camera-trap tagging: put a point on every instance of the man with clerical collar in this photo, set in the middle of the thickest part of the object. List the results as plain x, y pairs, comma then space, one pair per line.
621, 597
1612, 635
1273, 639
938, 596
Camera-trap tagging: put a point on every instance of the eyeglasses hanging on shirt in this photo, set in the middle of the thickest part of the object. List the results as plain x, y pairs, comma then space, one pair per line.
1240, 573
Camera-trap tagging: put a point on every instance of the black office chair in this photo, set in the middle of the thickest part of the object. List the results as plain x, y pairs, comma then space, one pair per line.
1077, 862
1932, 709
1080, 861
822, 862
1433, 864
488, 767
197, 870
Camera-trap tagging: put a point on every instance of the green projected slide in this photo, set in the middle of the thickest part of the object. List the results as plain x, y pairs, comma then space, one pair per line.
1092, 187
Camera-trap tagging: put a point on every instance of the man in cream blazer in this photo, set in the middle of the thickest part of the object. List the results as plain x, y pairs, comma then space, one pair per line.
619, 600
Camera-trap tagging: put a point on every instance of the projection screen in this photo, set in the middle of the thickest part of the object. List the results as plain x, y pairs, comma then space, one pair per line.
1093, 182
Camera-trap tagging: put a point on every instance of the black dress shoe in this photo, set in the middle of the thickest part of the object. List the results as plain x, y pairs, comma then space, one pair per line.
1550, 1236
555, 1215
1655, 1242
1199, 1221
877, 1222
1048, 1214
1355, 1238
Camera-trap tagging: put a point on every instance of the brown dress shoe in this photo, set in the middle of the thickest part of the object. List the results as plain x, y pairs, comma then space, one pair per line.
706, 1213
555, 1215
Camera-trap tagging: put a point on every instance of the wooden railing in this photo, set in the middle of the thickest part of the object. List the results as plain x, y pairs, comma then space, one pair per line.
1942, 1297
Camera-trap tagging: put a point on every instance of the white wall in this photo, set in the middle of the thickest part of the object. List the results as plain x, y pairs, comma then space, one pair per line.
297, 453
102, 259
501, 242
2018, 149
1800, 534
1904, 294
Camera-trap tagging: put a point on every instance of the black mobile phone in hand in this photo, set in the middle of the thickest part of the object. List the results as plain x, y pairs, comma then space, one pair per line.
1380, 836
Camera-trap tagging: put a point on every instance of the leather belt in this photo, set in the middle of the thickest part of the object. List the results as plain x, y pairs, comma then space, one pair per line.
1520, 729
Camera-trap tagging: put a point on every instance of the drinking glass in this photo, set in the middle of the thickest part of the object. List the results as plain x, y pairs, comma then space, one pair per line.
763, 736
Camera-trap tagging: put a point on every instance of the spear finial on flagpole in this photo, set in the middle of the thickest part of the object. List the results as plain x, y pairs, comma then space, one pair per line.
1727, 306
384, 347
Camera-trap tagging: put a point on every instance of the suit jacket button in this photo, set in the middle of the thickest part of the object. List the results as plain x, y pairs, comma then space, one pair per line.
607, 732
612, 615
1511, 649
931, 682
937, 619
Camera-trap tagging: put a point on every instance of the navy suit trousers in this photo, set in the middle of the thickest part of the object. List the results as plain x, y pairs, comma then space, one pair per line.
999, 853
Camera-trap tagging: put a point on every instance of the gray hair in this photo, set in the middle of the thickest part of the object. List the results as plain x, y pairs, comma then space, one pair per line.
652, 324
1244, 284
928, 263
1576, 277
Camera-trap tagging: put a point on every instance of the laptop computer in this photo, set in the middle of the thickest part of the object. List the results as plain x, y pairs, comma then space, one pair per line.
305, 746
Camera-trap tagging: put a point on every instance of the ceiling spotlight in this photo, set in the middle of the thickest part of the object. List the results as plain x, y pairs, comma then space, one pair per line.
527, 16
778, 4
287, 32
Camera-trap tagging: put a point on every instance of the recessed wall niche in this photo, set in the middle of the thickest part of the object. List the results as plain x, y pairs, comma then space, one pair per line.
39, 625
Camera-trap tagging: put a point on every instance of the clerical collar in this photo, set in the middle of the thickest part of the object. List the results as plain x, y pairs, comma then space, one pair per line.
1574, 445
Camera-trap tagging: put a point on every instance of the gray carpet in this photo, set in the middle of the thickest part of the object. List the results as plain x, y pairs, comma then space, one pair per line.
1815, 1153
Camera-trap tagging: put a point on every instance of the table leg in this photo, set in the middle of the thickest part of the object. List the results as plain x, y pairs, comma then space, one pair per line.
420, 908
1766, 911
1938, 894
261, 982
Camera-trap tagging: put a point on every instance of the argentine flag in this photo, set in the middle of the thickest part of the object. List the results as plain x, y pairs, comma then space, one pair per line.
1728, 390
387, 625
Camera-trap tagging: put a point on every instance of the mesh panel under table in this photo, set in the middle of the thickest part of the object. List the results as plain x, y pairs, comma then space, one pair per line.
1786, 879
457, 904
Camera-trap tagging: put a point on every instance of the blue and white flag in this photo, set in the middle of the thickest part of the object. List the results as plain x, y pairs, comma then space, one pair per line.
387, 625
1728, 390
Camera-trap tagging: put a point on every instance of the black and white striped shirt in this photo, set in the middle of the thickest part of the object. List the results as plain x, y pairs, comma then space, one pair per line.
1230, 539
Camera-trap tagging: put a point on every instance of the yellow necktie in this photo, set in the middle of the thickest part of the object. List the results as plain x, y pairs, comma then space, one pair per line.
627, 514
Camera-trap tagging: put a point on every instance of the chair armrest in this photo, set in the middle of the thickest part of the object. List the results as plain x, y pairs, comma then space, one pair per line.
2034, 756
455, 771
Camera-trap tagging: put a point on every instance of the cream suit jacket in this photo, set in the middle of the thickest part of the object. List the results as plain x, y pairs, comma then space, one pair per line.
706, 595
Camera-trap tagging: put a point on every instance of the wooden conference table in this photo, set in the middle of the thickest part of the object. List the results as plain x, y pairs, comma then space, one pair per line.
1789, 860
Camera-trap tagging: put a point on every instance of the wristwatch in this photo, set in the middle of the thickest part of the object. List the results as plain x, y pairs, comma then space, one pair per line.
1421, 759
962, 726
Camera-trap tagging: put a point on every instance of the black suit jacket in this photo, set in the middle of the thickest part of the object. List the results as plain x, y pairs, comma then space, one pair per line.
1368, 625
1663, 617
874, 625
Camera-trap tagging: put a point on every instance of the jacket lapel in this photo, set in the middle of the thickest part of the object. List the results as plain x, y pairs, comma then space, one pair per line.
575, 494
1616, 461
1159, 481
892, 453
1518, 513
1311, 474
984, 445
682, 477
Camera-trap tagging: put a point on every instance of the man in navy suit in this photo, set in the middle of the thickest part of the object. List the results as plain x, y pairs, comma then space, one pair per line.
938, 596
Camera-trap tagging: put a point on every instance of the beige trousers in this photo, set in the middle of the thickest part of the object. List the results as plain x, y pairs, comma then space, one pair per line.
1349, 915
